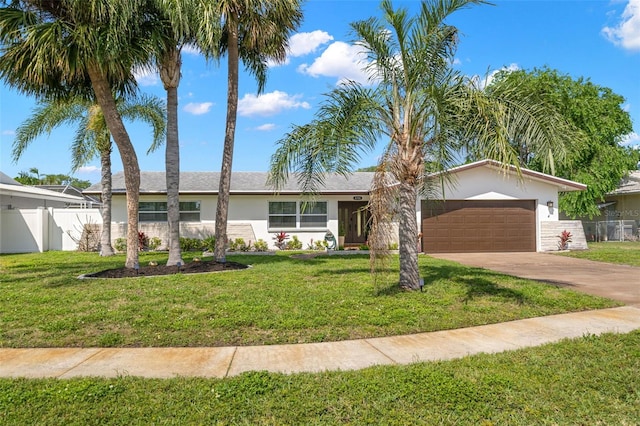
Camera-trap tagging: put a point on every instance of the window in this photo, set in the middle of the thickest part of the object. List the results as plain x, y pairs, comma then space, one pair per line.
156, 211
293, 215
313, 215
282, 214
152, 212
190, 211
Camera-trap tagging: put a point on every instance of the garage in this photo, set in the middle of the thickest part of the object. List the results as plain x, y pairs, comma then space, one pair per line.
458, 226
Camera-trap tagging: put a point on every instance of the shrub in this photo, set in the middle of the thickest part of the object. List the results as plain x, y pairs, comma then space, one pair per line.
239, 245
190, 244
294, 244
89, 239
120, 244
280, 239
261, 245
154, 243
317, 245
143, 241
320, 245
209, 243
393, 246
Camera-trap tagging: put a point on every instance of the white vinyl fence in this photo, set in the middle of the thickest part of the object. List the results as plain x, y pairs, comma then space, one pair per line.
43, 229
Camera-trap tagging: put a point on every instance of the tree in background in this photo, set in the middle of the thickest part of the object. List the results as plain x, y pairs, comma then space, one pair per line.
254, 32
422, 110
33, 177
92, 138
55, 49
596, 158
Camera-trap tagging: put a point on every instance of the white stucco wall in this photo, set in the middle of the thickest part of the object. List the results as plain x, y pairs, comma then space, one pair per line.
243, 209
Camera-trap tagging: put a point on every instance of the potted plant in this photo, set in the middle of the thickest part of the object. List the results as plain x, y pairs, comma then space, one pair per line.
340, 235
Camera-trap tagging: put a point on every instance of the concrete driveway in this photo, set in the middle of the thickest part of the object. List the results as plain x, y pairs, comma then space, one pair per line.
617, 282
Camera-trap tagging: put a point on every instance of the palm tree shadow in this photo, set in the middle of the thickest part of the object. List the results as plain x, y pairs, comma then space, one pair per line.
478, 282
479, 287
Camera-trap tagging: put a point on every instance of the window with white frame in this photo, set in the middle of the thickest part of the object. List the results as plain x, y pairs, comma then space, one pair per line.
313, 215
294, 215
156, 211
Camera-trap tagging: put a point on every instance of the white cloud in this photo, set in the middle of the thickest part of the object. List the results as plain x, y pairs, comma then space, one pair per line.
190, 49
196, 108
627, 32
146, 77
341, 60
631, 139
269, 104
9, 132
267, 127
301, 44
482, 82
88, 169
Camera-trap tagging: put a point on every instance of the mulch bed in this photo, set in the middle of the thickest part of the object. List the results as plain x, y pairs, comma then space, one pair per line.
150, 271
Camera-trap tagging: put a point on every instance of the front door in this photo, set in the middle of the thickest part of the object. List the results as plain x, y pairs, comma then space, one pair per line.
353, 218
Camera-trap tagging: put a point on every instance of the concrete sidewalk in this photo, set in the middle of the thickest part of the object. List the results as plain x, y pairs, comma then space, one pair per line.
314, 357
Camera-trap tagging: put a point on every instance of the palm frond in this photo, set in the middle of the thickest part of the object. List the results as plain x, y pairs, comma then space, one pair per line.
45, 117
150, 110
346, 127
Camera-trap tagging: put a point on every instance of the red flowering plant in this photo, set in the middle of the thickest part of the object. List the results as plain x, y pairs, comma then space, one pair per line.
280, 239
565, 239
143, 241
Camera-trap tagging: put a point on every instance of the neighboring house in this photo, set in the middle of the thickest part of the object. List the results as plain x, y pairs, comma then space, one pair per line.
620, 213
487, 208
35, 219
14, 195
91, 202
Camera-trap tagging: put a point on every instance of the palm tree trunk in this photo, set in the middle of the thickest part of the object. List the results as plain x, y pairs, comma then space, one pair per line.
107, 103
170, 75
408, 233
222, 210
105, 237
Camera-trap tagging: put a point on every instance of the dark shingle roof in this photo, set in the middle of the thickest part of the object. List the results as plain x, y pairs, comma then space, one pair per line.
241, 183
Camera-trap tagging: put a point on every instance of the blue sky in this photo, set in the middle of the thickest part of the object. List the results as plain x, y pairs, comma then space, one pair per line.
599, 40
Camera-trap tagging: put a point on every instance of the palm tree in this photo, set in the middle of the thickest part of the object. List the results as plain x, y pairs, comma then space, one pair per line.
169, 63
54, 49
254, 31
425, 110
92, 138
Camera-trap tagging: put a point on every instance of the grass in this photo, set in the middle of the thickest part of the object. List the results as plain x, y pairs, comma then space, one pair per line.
627, 253
278, 300
590, 380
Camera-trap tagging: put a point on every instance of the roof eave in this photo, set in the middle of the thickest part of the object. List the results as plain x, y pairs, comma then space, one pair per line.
564, 185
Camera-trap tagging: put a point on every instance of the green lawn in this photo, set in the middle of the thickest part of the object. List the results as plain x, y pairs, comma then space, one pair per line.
278, 300
586, 381
627, 253
591, 380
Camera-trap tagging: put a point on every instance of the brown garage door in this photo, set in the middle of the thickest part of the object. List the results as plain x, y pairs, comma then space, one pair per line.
478, 226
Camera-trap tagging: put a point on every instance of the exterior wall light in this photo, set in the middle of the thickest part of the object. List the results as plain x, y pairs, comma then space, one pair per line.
550, 206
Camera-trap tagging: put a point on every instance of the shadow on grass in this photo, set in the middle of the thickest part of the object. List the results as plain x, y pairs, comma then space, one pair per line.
478, 282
